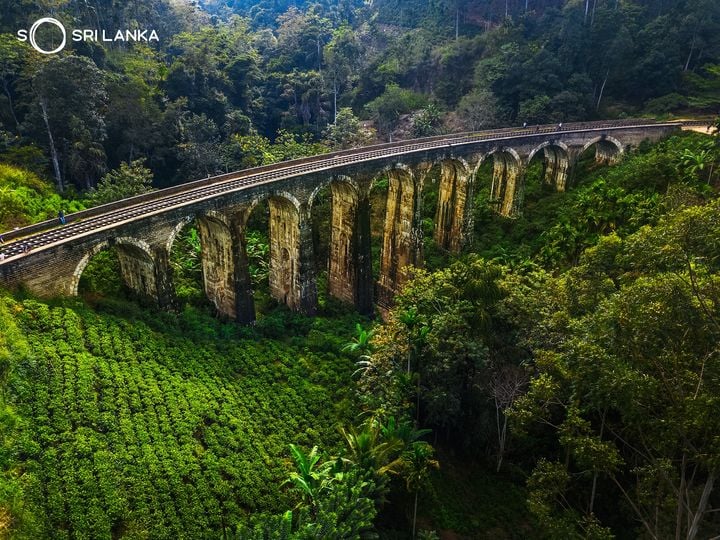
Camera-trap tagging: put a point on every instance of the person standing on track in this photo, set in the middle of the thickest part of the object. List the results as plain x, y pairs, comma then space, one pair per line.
61, 217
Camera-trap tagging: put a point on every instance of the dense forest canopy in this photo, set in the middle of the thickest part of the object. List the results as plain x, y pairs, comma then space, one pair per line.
558, 378
225, 77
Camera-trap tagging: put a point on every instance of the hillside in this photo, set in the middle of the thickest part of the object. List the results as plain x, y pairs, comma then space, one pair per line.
226, 79
124, 422
127, 424
559, 377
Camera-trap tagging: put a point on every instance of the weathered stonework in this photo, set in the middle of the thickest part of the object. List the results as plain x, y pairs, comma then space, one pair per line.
143, 242
284, 252
556, 166
218, 265
402, 236
292, 279
508, 183
453, 209
342, 272
350, 267
607, 152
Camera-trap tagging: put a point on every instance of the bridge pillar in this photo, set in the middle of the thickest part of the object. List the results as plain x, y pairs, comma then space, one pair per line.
218, 262
508, 183
350, 268
402, 235
453, 215
292, 276
556, 167
225, 270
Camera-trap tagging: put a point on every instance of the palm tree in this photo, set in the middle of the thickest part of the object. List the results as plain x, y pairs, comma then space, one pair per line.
696, 162
418, 335
310, 478
369, 450
361, 343
417, 462
362, 346
403, 431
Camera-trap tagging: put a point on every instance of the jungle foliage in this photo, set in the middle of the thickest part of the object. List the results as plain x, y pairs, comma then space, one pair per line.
567, 364
591, 372
229, 79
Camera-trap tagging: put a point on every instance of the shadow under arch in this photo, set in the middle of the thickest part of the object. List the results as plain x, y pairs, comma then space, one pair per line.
607, 149
138, 269
555, 163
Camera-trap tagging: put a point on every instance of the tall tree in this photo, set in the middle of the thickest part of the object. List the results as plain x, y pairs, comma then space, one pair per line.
342, 55
69, 105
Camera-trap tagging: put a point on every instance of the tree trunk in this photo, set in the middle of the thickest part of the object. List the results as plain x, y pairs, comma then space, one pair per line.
591, 506
681, 494
12, 107
692, 50
457, 23
587, 9
592, 17
602, 89
702, 505
417, 391
503, 439
335, 92
415, 514
53, 150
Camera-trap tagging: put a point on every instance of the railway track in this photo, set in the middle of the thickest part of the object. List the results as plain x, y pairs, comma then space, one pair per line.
20, 242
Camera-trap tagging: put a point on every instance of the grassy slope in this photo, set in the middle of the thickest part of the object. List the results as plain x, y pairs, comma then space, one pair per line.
26, 199
171, 427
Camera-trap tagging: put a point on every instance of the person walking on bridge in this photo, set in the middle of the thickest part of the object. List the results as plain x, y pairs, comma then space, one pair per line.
61, 217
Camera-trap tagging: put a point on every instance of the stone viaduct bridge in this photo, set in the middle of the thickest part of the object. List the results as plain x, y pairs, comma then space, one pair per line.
48, 260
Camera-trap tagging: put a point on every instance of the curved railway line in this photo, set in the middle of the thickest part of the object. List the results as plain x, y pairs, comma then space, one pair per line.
22, 241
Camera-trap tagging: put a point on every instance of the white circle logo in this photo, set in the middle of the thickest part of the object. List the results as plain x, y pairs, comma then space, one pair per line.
34, 28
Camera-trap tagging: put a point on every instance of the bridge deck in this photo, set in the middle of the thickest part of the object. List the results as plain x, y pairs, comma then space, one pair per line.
46, 234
